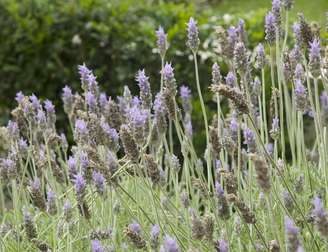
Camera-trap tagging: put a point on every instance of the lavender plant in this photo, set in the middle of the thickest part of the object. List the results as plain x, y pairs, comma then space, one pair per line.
130, 178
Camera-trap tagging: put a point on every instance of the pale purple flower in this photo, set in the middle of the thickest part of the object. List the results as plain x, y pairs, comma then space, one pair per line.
324, 100
67, 208
41, 117
218, 189
91, 101
84, 160
222, 246
240, 57
155, 230
185, 94
233, 125
232, 37
275, 124
72, 167
170, 244
270, 28
231, 79
81, 127
318, 209
320, 216
19, 97
35, 184
143, 83
79, 184
109, 132
269, 148
188, 127
84, 72
297, 34
49, 107
67, 95
216, 74
292, 234
314, 50
22, 145
137, 116
103, 100
99, 181
135, 227
299, 73
35, 102
315, 58
168, 75
143, 80
260, 57
13, 129
192, 33
162, 44
218, 164
276, 10
154, 235
96, 246
159, 106
249, 136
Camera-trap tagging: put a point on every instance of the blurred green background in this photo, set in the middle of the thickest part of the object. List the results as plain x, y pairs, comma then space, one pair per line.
43, 41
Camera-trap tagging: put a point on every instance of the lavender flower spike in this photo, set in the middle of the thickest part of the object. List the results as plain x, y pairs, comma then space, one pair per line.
292, 234
154, 235
270, 28
162, 44
315, 58
320, 216
192, 33
170, 244
143, 83
216, 74
96, 246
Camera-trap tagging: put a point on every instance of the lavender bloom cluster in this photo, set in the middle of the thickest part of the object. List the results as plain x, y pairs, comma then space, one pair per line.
126, 175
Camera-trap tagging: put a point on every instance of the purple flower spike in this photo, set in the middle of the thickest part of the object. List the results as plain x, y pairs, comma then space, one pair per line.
192, 32
135, 227
315, 49
218, 189
216, 74
231, 79
142, 80
162, 43
81, 129
79, 184
167, 72
320, 216
49, 107
19, 97
270, 28
91, 101
35, 102
96, 246
154, 233
324, 100
99, 181
67, 94
103, 100
222, 246
170, 244
315, 58
233, 126
35, 184
290, 226
84, 72
185, 94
